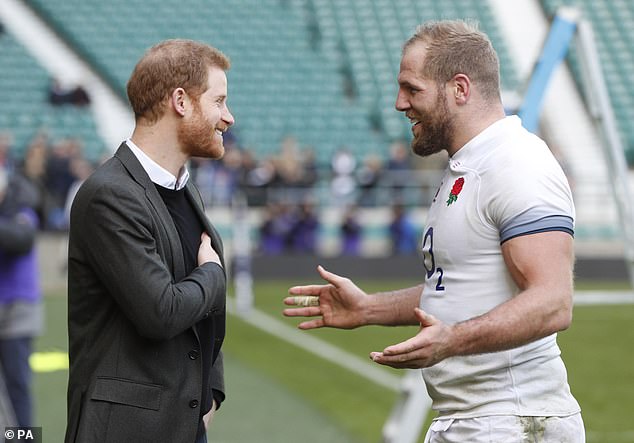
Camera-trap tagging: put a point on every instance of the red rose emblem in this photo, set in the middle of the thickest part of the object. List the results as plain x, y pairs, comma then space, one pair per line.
455, 190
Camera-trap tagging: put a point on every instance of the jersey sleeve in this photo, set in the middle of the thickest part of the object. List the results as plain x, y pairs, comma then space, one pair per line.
528, 193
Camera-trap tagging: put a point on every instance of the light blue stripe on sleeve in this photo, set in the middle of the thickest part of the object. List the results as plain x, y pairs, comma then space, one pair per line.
519, 226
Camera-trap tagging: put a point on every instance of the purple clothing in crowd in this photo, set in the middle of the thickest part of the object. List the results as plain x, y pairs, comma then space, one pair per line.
19, 271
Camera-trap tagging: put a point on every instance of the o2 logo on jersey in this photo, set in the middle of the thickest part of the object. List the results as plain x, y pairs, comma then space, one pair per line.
429, 262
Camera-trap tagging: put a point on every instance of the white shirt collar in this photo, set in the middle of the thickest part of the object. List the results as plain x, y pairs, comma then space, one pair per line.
494, 130
157, 173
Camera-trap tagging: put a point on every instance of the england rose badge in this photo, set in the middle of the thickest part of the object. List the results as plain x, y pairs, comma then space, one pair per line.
455, 190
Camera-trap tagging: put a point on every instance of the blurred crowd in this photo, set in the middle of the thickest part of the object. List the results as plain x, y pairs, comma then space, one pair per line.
294, 175
290, 187
54, 168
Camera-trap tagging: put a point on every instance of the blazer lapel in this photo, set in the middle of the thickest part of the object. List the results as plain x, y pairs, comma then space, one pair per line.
134, 168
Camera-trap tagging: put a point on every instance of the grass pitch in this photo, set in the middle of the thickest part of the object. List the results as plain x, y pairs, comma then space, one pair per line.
277, 392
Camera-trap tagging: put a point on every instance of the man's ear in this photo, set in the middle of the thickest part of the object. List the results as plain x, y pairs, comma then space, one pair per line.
178, 100
461, 88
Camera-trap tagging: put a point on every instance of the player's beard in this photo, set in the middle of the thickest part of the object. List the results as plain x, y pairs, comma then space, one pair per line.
198, 138
436, 129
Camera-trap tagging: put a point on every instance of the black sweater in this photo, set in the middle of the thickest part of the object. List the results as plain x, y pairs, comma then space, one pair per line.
189, 229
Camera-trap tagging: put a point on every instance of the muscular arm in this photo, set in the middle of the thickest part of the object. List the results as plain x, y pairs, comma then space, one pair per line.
342, 304
541, 265
393, 308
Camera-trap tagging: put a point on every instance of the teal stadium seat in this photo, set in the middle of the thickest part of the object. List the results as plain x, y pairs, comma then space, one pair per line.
25, 111
370, 34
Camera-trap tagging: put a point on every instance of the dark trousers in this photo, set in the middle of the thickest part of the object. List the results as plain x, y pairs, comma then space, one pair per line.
14, 359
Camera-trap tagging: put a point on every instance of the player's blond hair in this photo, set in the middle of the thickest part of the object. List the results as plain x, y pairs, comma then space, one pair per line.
458, 47
168, 65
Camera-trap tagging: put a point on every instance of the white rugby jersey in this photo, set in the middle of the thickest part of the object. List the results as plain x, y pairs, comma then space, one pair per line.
503, 183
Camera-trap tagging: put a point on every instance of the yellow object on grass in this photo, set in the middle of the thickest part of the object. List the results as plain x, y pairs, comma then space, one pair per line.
49, 361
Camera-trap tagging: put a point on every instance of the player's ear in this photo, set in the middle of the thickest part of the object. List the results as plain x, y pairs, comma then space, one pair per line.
461, 85
178, 100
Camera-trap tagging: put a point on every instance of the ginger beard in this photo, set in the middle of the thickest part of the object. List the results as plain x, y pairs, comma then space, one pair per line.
198, 136
435, 128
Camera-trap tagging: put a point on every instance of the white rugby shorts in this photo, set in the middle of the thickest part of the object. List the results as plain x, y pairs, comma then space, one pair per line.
507, 429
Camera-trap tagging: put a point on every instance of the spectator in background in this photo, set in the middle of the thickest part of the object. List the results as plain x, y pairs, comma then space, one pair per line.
276, 229
398, 168
59, 178
343, 184
288, 228
288, 163
402, 232
81, 170
303, 235
351, 232
218, 180
6, 142
20, 295
310, 170
232, 164
59, 94
368, 178
33, 168
259, 177
289, 167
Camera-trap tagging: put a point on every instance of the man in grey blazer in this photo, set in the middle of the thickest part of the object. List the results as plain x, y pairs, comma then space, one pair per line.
146, 278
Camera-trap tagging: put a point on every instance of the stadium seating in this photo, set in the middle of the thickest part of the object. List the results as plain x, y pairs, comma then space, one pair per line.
613, 24
369, 35
25, 84
26, 110
321, 70
277, 84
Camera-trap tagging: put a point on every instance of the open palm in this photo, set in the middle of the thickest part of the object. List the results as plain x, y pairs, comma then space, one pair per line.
339, 303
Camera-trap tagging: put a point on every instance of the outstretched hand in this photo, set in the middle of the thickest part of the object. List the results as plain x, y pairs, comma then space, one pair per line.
428, 347
338, 304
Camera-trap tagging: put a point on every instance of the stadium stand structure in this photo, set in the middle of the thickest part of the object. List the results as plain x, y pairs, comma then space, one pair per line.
320, 71
295, 60
26, 110
278, 85
364, 38
613, 24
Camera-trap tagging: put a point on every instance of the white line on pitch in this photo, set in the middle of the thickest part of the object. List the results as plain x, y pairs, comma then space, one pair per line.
364, 368
603, 297
318, 347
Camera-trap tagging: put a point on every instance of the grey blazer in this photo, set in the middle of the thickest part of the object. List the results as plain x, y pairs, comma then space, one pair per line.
135, 363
